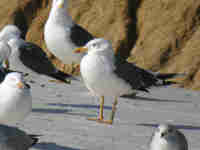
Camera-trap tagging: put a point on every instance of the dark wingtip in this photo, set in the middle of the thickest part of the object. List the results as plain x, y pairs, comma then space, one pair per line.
34, 138
35, 141
59, 75
169, 82
143, 89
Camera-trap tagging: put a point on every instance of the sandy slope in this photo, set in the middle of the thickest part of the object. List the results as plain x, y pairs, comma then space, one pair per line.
161, 35
60, 112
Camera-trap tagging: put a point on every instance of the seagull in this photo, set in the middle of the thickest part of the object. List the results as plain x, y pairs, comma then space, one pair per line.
10, 31
62, 35
30, 58
105, 74
11, 34
12, 138
167, 137
15, 99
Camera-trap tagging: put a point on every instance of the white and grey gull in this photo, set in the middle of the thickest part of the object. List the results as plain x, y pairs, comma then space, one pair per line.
15, 99
29, 58
62, 35
167, 137
105, 74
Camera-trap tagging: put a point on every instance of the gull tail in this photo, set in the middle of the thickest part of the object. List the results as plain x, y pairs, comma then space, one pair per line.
34, 138
166, 83
59, 75
163, 78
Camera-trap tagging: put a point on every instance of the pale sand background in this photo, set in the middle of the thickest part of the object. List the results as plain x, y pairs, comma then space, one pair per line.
60, 112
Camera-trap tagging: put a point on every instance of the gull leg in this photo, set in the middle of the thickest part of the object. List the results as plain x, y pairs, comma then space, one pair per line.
100, 112
101, 108
100, 118
112, 116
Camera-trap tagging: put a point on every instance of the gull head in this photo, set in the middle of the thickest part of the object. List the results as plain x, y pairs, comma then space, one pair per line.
166, 131
60, 4
10, 31
97, 46
15, 80
15, 43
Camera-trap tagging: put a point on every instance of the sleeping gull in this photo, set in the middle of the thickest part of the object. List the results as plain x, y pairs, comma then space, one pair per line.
12, 138
167, 137
15, 99
29, 58
105, 74
62, 35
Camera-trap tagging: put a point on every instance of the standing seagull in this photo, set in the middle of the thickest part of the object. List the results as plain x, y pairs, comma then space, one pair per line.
62, 35
15, 99
107, 75
166, 137
30, 58
12, 138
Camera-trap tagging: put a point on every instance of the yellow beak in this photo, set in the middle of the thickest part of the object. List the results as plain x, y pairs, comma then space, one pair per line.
61, 5
20, 85
7, 64
81, 50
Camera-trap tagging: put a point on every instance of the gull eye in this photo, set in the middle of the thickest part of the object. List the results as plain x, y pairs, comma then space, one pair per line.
162, 134
95, 45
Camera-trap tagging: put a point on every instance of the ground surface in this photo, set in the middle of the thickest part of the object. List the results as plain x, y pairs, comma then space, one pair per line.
60, 114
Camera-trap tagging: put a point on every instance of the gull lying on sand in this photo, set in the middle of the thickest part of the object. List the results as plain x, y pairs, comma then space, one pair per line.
15, 99
167, 137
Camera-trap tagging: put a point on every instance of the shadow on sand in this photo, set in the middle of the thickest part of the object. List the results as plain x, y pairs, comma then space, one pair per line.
86, 106
61, 111
178, 126
68, 109
133, 97
49, 110
52, 146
